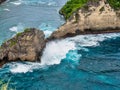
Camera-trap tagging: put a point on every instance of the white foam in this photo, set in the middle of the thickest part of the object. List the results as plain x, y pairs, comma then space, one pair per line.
17, 67
52, 3
16, 2
6, 9
14, 29
17, 28
36, 2
92, 40
55, 51
47, 33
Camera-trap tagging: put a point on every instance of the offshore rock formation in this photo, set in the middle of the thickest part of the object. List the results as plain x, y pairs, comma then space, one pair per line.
1, 1
25, 46
93, 18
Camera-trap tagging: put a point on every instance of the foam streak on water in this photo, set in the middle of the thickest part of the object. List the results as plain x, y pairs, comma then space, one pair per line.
17, 67
34, 2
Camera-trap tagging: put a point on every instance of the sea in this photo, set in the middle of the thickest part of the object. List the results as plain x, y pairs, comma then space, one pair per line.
83, 62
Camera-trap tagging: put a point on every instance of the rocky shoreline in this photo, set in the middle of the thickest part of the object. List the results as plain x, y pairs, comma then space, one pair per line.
29, 45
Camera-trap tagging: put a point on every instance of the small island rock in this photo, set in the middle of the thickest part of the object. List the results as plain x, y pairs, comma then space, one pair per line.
25, 46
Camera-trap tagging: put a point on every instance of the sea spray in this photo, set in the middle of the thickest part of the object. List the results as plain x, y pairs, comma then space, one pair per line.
55, 51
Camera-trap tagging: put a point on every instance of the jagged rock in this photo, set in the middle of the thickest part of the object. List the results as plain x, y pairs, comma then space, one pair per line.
1, 1
93, 18
25, 46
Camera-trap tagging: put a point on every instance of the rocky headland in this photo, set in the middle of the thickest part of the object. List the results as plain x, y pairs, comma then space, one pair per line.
25, 46
93, 18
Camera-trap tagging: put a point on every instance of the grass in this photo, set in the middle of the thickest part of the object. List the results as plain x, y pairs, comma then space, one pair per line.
12, 43
114, 4
27, 30
19, 34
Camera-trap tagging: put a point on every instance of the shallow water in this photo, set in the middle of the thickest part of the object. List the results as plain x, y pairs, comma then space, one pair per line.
85, 62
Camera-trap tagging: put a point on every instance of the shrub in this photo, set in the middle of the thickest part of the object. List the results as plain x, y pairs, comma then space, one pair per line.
27, 30
115, 4
71, 6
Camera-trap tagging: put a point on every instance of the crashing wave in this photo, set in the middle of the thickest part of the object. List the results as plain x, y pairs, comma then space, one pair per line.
57, 50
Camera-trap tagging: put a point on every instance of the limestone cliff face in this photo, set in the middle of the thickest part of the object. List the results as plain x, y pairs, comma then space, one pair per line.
25, 46
97, 17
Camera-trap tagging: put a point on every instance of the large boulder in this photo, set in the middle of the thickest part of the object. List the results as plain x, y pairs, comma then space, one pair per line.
25, 46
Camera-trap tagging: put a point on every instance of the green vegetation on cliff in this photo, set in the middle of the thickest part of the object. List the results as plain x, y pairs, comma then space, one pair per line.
71, 6
114, 3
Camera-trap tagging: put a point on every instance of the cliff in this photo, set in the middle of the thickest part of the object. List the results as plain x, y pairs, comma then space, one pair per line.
93, 18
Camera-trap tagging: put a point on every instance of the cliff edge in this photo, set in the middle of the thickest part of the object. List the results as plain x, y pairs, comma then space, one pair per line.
94, 17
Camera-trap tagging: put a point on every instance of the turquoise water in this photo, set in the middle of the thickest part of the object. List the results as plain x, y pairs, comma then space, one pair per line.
15, 15
86, 62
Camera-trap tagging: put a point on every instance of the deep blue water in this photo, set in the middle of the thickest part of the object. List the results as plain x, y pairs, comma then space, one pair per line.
86, 62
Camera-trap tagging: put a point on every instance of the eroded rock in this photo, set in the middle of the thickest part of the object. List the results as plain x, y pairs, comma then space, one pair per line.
25, 46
